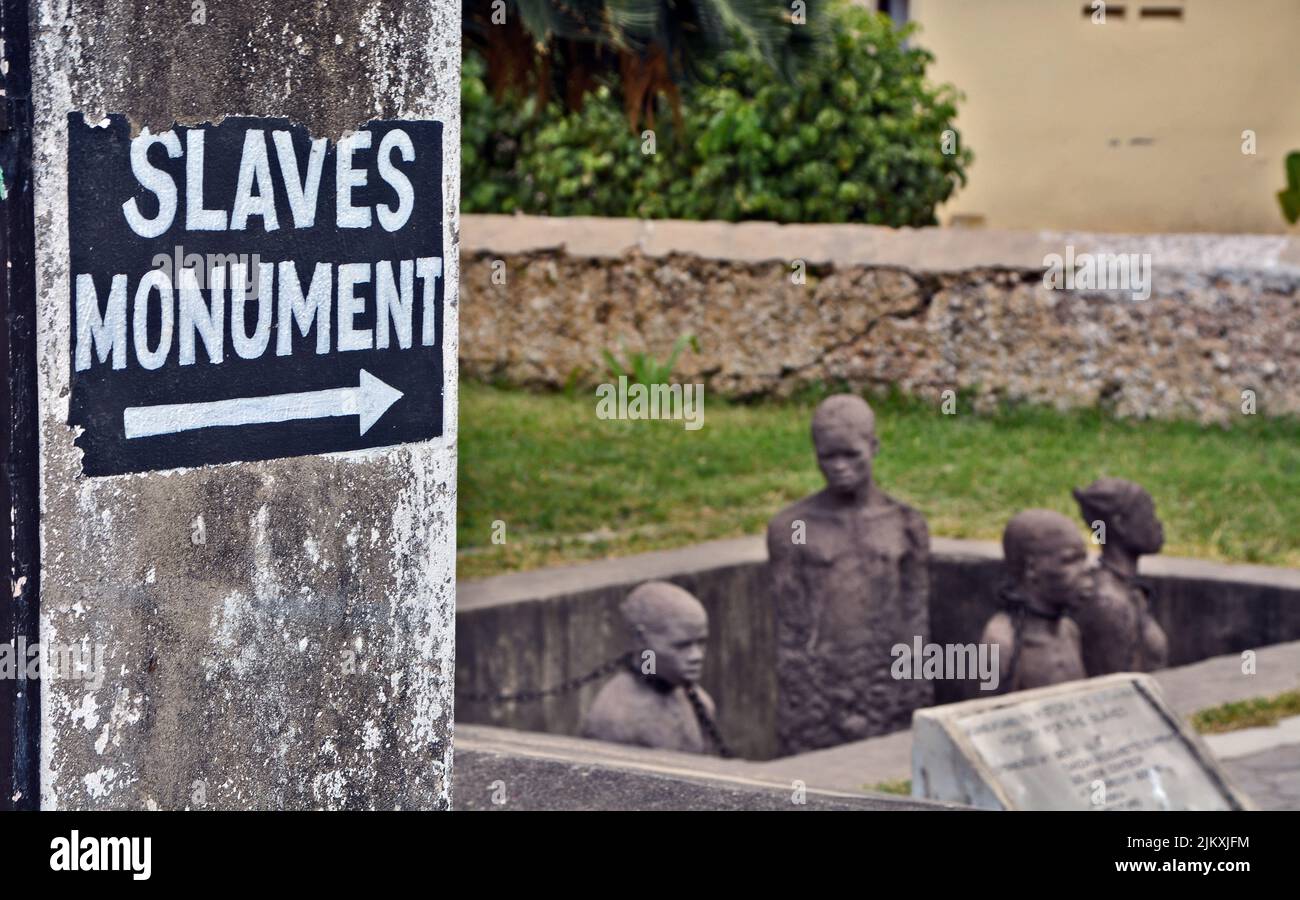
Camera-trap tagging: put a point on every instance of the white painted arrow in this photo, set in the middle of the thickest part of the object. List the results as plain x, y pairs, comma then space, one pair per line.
369, 400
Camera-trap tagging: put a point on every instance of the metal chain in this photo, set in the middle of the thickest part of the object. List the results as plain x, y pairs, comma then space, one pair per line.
706, 722
564, 687
570, 685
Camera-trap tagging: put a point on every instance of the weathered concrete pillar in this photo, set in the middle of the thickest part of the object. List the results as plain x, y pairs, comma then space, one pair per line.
247, 482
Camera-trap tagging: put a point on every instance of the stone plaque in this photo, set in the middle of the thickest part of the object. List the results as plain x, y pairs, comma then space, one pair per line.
1105, 743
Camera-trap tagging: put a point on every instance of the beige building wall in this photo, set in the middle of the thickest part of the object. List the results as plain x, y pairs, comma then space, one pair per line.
1131, 125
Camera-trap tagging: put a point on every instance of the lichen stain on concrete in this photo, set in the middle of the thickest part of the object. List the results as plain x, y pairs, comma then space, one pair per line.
99, 783
125, 713
246, 634
331, 66
224, 659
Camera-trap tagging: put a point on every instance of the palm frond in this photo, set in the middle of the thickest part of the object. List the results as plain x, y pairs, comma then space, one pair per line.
653, 45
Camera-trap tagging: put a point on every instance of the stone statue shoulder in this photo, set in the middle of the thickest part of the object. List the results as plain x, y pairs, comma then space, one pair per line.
817, 506
1157, 644
1113, 596
894, 517
709, 706
914, 524
788, 531
1001, 630
628, 711
612, 715
780, 526
1109, 621
1123, 606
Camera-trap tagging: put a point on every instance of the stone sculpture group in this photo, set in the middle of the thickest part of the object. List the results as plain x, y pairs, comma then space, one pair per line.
849, 581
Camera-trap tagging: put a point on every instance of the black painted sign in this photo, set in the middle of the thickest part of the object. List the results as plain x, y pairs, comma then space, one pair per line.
244, 291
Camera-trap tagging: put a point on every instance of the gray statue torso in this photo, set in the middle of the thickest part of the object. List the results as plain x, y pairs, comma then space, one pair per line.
630, 710
1119, 634
857, 586
1037, 653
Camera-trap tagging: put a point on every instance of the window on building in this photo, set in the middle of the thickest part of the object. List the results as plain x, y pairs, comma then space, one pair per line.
895, 9
1161, 13
1092, 9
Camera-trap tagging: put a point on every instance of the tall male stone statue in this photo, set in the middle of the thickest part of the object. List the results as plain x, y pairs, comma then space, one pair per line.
849, 574
1047, 575
656, 701
1119, 634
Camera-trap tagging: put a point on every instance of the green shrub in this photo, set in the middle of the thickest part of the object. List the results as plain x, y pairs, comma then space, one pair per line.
1290, 198
1259, 712
639, 367
491, 134
857, 135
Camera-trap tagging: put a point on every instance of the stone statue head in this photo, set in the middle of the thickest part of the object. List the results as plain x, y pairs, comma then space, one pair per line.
1127, 510
844, 436
673, 625
1045, 558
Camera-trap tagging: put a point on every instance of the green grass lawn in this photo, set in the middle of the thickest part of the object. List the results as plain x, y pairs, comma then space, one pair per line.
897, 786
569, 486
1255, 713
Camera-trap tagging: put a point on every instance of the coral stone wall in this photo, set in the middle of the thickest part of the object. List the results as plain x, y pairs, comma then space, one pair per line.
777, 308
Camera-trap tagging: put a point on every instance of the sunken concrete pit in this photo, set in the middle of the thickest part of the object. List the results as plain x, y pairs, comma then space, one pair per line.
534, 630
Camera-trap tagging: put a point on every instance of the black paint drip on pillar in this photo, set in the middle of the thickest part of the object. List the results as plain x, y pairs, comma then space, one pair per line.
20, 711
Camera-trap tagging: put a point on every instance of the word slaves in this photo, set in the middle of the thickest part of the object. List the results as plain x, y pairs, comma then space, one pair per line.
254, 193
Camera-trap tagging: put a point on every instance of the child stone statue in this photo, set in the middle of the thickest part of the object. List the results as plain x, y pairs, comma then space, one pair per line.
849, 574
656, 700
1119, 634
1047, 576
